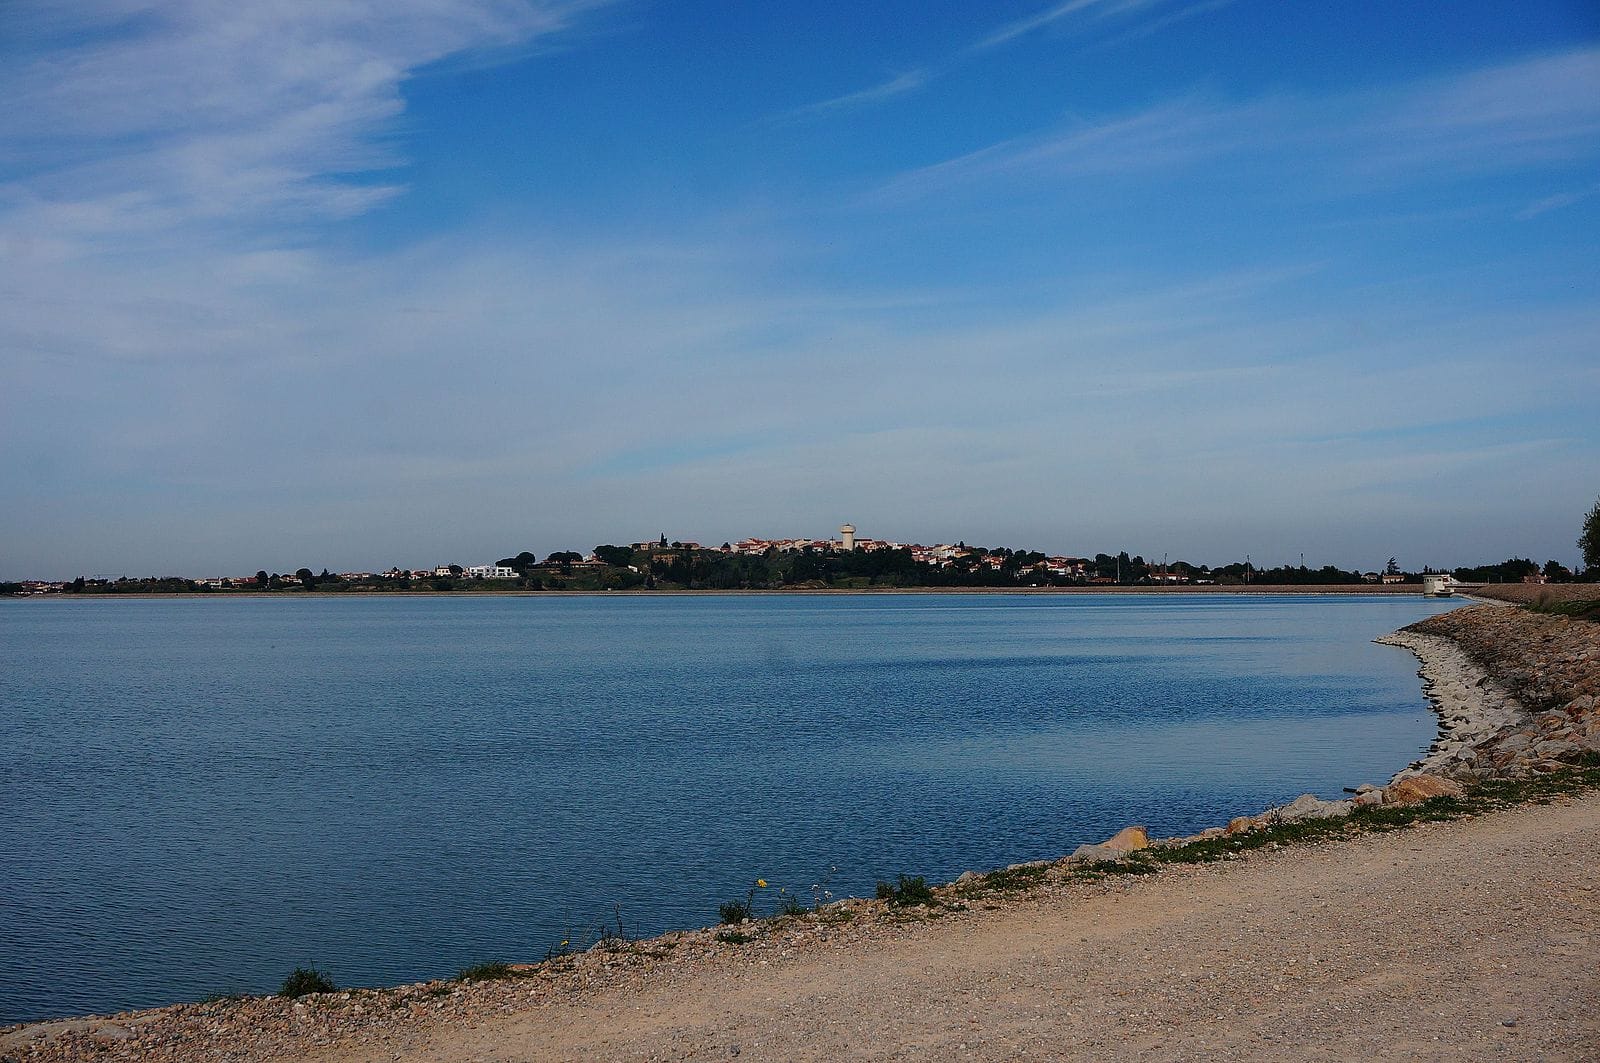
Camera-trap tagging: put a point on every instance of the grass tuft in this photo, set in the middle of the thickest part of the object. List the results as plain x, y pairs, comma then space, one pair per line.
911, 889
304, 980
487, 972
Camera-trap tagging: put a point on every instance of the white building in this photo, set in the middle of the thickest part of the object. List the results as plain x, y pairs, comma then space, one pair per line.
491, 572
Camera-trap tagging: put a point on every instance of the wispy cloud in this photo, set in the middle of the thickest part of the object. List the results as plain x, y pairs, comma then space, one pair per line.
1052, 15
1558, 201
1166, 135
175, 334
1539, 109
1101, 12
899, 85
1163, 22
1506, 117
132, 115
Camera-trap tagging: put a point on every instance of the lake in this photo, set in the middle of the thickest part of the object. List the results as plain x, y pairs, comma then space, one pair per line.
198, 795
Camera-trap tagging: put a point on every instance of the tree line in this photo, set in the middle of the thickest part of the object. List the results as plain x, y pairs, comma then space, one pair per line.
680, 566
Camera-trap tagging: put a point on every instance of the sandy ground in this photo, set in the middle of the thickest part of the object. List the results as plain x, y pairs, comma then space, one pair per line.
1468, 940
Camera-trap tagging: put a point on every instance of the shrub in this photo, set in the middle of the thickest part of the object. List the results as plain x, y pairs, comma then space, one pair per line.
911, 889
734, 911
303, 980
485, 972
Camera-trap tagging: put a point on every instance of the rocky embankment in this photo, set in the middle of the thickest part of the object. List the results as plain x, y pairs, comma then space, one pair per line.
1517, 694
1548, 667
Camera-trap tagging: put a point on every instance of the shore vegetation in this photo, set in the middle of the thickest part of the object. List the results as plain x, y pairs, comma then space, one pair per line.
305, 980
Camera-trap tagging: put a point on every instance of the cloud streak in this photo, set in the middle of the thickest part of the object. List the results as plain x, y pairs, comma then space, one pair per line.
1050, 16
1517, 115
1106, 11
199, 113
899, 85
1559, 201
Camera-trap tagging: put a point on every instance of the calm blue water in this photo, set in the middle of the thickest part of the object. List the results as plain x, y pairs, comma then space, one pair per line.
196, 796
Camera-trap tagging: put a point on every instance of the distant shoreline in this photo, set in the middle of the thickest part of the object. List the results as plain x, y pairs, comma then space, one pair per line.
1393, 589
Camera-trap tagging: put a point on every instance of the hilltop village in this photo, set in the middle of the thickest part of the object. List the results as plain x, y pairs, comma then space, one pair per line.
844, 563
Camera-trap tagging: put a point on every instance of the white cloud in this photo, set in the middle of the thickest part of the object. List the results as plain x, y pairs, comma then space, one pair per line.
1537, 110
1052, 15
565, 393
168, 114
181, 365
1099, 11
1559, 201
899, 85
1514, 116
1170, 134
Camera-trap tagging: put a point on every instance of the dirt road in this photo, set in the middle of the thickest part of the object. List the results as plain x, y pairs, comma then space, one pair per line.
1468, 940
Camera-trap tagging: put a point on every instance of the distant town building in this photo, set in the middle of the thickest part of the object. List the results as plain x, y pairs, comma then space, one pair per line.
847, 534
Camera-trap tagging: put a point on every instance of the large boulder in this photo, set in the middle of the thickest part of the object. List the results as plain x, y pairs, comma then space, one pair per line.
1115, 847
1128, 839
1417, 788
1310, 806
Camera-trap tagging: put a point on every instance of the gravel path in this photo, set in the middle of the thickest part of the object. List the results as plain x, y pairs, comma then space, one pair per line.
1474, 939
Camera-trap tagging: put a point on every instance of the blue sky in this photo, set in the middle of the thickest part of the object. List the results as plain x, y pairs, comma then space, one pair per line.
358, 284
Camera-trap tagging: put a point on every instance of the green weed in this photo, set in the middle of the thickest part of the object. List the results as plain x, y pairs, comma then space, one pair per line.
911, 889
737, 911
303, 980
487, 972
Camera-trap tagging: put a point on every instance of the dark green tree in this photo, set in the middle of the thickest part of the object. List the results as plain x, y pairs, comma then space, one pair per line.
261, 578
1589, 541
621, 556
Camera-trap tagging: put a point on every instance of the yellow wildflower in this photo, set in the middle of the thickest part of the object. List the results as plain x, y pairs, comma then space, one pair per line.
761, 882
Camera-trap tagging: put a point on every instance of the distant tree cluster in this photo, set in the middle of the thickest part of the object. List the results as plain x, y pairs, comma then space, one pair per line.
676, 564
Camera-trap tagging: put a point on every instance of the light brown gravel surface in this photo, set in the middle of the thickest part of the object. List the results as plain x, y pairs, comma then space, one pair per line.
1469, 940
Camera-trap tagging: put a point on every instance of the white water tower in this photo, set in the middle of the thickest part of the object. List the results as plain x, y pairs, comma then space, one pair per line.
848, 533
